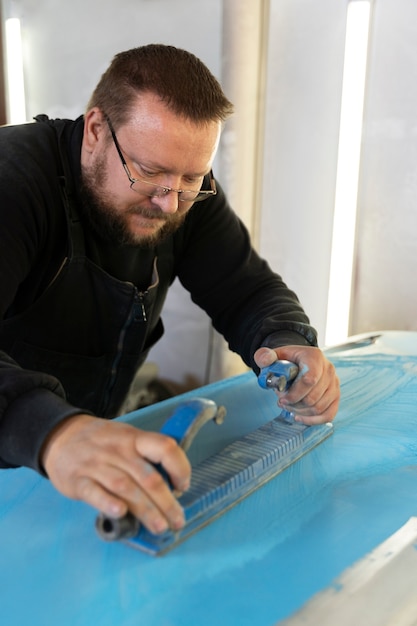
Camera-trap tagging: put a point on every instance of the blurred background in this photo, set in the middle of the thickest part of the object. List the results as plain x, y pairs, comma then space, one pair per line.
319, 160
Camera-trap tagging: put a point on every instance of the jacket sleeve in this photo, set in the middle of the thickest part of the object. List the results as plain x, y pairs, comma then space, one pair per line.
31, 403
249, 304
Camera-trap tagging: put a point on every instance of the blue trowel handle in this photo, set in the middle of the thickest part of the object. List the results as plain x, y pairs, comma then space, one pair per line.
189, 417
278, 376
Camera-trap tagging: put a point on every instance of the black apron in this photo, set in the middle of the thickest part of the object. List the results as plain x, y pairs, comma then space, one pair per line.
88, 329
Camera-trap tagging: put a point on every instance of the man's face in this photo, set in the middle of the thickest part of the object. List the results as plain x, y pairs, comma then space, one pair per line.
159, 147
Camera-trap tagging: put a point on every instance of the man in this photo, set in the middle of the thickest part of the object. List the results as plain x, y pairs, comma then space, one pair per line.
98, 216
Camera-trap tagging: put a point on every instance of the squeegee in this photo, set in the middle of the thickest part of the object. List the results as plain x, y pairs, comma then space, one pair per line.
228, 476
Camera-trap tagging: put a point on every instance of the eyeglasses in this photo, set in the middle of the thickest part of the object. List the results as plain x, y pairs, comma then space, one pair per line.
142, 186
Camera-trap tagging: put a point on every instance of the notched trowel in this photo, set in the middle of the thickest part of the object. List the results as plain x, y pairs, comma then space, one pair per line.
225, 478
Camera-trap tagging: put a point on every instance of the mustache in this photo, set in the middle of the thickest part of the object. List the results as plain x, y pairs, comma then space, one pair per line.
150, 213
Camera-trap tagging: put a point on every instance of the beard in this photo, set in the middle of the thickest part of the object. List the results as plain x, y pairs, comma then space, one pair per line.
111, 224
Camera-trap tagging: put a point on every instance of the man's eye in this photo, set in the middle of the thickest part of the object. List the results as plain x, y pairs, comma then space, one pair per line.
193, 180
144, 172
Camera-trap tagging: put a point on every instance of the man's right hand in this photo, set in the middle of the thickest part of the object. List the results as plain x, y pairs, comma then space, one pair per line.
109, 465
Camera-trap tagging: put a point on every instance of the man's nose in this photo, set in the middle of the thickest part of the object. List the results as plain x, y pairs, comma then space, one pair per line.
168, 203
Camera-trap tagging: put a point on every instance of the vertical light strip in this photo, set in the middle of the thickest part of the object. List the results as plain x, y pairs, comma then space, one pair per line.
350, 136
259, 144
16, 107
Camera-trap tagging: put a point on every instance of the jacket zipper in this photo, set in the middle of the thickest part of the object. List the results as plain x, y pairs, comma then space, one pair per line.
137, 314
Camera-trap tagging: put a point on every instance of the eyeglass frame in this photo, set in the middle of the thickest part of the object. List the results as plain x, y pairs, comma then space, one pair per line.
163, 189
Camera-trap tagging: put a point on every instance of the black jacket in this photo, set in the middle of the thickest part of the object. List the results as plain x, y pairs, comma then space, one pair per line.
78, 315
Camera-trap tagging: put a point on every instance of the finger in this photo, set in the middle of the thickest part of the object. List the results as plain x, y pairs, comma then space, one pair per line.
153, 498
124, 446
160, 449
322, 418
114, 492
143, 487
316, 404
316, 401
93, 493
305, 392
313, 384
264, 357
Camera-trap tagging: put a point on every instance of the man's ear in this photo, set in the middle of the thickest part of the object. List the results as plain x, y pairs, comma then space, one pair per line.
95, 129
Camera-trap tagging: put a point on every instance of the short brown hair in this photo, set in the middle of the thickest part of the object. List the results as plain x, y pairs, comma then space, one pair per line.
178, 77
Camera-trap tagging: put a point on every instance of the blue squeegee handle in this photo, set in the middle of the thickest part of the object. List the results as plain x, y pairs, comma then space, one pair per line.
279, 375
182, 426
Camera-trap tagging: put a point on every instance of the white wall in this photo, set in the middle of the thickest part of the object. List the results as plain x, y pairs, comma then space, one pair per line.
304, 80
67, 45
385, 295
305, 62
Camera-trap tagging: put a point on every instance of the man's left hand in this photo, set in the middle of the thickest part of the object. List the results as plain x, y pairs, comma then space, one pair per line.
315, 393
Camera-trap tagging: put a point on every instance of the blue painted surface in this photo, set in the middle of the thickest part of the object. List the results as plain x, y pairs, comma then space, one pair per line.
263, 559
